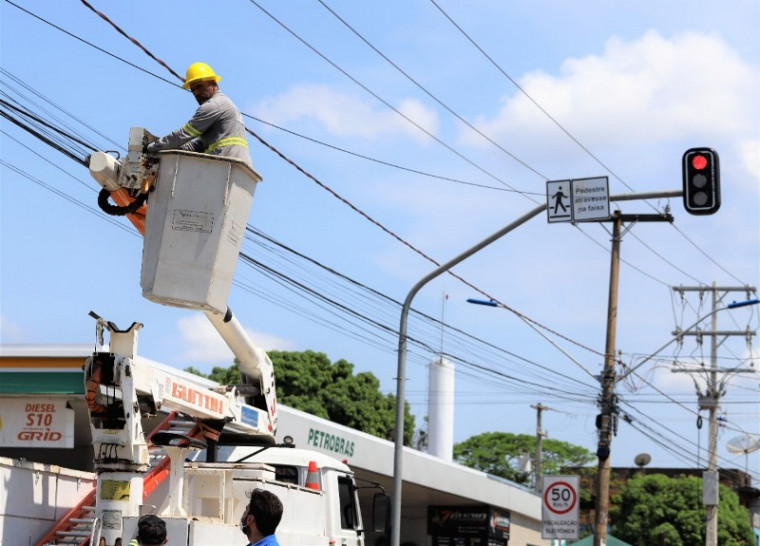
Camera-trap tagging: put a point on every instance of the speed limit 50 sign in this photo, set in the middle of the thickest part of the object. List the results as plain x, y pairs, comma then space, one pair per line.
559, 507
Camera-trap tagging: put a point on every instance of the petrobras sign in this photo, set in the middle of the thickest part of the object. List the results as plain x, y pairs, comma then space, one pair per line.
334, 444
36, 422
311, 432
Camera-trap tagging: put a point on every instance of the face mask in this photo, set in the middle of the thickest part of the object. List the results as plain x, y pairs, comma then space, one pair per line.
244, 526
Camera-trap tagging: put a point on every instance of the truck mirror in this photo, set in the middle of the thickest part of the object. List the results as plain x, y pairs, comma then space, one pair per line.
381, 513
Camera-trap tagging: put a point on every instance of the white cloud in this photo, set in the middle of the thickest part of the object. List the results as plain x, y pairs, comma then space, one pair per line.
749, 151
10, 332
648, 90
203, 344
345, 115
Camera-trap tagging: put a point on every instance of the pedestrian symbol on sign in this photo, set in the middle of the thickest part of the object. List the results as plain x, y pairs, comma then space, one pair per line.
558, 205
558, 198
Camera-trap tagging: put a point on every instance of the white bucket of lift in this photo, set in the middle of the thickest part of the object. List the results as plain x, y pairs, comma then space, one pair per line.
194, 228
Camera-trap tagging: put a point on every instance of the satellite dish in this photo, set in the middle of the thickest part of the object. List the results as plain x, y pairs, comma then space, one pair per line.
642, 459
744, 444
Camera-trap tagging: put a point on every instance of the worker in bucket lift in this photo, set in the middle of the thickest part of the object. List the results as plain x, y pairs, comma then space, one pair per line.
261, 518
217, 127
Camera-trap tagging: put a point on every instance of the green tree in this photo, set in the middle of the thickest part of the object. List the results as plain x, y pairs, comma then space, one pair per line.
656, 510
499, 453
224, 376
309, 382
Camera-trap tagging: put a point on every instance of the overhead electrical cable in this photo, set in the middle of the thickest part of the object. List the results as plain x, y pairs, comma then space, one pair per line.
294, 133
382, 100
663, 258
356, 209
564, 130
429, 94
31, 117
89, 43
386, 163
527, 95
39, 134
10, 77
62, 194
437, 324
671, 435
577, 397
489, 139
43, 158
692, 243
128, 37
322, 143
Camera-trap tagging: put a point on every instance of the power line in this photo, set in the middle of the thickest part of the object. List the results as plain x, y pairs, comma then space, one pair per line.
345, 151
382, 100
429, 94
386, 163
507, 374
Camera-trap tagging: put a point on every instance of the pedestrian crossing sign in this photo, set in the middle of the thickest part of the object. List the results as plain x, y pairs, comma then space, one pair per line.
558, 205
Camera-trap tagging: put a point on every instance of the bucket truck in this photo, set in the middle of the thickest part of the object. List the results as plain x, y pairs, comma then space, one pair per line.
192, 210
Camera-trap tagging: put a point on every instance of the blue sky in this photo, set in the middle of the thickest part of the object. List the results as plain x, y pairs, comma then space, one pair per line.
439, 123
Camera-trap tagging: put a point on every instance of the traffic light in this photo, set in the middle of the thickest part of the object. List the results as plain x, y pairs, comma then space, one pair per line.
701, 181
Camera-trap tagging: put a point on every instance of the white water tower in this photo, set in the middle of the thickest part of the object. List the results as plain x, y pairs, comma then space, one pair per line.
441, 409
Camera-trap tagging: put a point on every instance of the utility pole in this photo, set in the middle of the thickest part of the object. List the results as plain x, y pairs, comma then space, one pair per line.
539, 449
607, 400
607, 418
710, 400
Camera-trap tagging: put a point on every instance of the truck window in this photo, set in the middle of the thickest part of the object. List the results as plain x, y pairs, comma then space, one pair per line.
347, 497
287, 474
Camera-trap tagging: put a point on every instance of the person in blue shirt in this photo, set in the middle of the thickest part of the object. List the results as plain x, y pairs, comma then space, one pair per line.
261, 518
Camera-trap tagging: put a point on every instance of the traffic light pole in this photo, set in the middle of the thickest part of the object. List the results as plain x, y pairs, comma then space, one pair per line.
607, 420
398, 436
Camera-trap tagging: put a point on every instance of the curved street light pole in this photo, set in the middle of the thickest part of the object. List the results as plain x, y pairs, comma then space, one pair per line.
401, 374
402, 339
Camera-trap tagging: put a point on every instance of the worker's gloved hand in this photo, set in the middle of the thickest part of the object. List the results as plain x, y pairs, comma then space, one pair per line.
150, 148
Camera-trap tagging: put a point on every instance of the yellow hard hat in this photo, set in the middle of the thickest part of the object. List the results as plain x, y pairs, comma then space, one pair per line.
197, 72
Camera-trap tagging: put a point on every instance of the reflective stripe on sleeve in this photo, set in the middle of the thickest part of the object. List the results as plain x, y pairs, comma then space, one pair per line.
192, 131
229, 141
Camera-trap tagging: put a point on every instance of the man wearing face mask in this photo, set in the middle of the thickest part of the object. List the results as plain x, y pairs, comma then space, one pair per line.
217, 127
261, 518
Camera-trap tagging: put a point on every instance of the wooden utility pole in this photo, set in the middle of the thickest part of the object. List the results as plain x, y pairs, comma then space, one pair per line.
539, 448
607, 400
607, 418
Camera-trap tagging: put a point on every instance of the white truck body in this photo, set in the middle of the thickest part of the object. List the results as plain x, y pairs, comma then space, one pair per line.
193, 225
203, 500
215, 498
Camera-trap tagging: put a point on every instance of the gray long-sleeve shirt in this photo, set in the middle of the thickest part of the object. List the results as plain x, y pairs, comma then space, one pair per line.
217, 128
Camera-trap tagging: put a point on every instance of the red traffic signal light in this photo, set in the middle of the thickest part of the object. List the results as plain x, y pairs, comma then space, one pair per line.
701, 181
